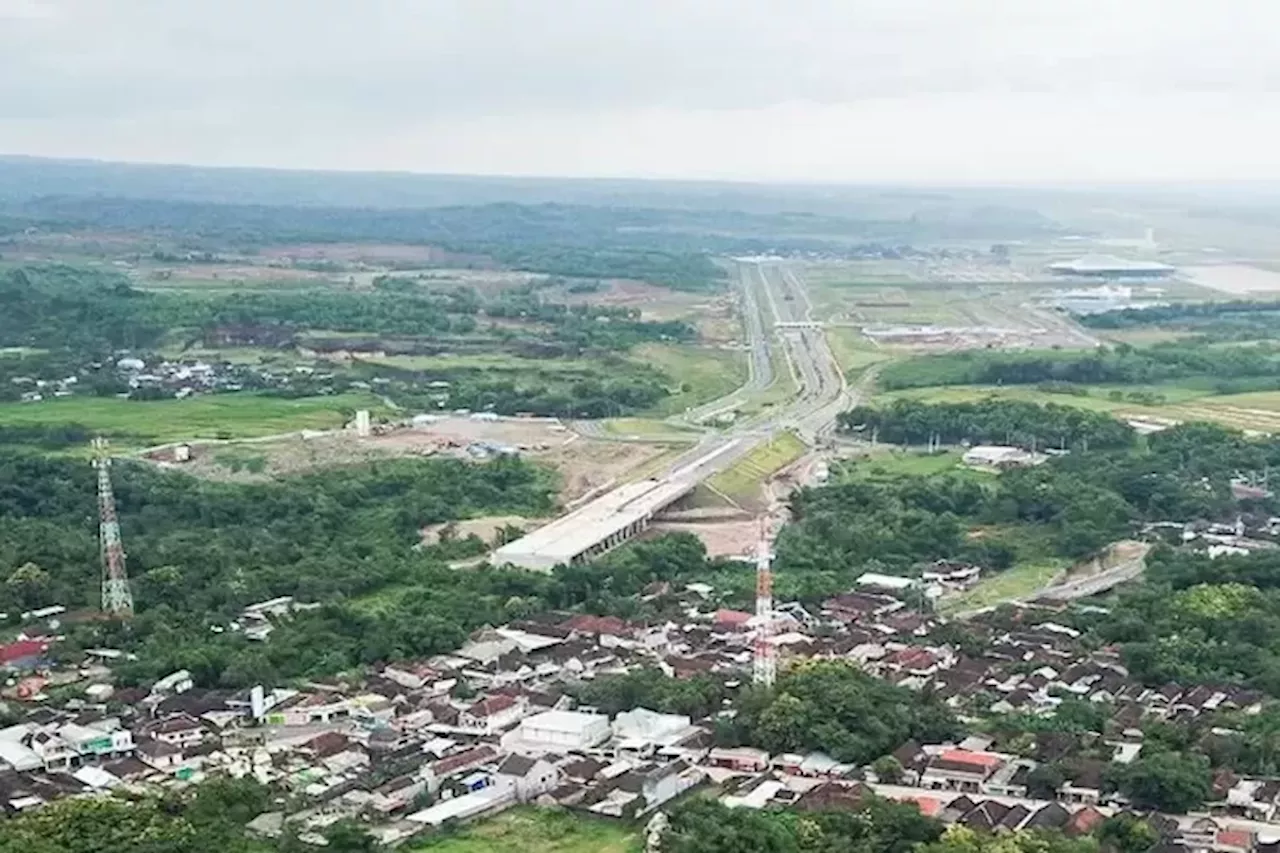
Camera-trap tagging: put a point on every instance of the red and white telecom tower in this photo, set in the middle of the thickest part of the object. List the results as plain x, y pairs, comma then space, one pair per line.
117, 599
765, 660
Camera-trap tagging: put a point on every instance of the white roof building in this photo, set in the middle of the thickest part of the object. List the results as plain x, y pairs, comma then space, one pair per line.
886, 581
1109, 265
1000, 456
553, 731
650, 726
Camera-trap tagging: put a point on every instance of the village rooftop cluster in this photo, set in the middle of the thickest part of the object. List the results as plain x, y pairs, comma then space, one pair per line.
416, 745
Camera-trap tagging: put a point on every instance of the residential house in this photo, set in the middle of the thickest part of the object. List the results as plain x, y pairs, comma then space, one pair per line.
397, 794
960, 770
159, 755
656, 784
743, 759
492, 714
530, 778
180, 730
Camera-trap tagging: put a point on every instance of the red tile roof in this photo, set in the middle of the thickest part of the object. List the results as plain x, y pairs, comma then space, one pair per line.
22, 649
491, 705
985, 760
1235, 838
929, 806
732, 618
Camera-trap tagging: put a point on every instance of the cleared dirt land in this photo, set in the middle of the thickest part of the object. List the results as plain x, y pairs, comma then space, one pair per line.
584, 464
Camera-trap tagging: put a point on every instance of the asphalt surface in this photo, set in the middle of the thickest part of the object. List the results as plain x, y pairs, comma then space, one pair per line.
770, 293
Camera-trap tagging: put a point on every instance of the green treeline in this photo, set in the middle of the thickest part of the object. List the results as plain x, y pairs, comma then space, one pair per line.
1010, 422
1120, 365
1243, 319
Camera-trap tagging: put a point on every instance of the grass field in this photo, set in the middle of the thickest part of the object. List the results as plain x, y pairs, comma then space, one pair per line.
891, 462
140, 423
1010, 585
782, 389
852, 349
700, 373
743, 479
1257, 411
529, 830
649, 429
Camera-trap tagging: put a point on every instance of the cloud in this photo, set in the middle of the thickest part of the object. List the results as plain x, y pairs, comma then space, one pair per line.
872, 87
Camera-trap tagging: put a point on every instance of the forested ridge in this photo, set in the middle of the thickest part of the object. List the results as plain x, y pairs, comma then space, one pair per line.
60, 307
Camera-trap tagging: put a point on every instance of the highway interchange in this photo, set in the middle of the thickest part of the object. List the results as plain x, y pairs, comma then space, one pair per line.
771, 293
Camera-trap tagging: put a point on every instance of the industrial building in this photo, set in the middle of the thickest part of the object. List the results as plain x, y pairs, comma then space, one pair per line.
1109, 266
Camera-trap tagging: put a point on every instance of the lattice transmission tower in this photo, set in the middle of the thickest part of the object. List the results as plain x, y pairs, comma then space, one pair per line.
117, 599
765, 661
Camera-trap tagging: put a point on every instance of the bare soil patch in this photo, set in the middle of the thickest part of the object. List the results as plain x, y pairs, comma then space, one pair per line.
584, 464
721, 538
486, 528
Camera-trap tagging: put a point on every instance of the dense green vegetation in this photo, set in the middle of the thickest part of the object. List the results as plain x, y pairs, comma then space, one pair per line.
1233, 320
835, 707
877, 826
1069, 507
200, 551
1225, 367
1010, 422
209, 818
648, 687
86, 311
1196, 620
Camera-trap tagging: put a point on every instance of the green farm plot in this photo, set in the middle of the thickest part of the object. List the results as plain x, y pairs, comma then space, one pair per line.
216, 416
530, 830
742, 480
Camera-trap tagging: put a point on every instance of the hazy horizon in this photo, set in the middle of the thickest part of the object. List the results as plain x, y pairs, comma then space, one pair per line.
881, 92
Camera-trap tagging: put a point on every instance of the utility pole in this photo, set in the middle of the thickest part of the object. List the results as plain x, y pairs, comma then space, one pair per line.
765, 661
117, 599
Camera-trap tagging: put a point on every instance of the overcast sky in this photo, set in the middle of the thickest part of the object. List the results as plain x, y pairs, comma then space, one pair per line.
846, 90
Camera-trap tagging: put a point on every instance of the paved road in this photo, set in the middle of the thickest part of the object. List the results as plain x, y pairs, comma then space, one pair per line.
1100, 582
772, 293
758, 326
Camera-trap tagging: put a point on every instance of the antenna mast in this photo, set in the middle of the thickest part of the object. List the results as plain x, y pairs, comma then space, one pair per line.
765, 661
117, 600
